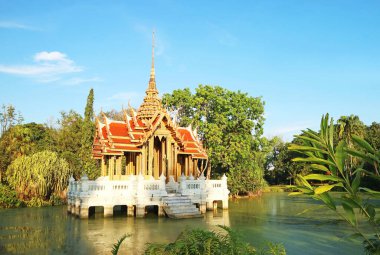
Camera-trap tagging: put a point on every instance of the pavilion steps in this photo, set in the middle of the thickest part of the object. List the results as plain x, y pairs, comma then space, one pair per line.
180, 207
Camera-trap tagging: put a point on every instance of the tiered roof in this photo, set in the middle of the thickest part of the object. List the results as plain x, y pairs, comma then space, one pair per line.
115, 137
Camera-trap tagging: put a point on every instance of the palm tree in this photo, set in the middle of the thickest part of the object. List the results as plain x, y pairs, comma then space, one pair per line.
348, 126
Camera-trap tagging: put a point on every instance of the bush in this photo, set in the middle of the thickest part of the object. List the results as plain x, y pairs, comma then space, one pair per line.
8, 197
199, 241
38, 177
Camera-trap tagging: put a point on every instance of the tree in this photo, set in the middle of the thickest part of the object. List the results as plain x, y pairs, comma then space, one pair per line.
9, 118
280, 168
88, 130
349, 126
23, 140
373, 135
229, 123
38, 176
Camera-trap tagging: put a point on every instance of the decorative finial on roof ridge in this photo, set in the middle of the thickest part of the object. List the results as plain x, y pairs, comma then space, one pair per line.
152, 80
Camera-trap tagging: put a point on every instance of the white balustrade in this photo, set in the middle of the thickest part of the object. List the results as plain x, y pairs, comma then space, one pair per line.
136, 190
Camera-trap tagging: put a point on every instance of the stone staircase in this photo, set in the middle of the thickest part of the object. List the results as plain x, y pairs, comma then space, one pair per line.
180, 207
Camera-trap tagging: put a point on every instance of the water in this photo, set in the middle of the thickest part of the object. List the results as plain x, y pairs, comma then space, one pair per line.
272, 217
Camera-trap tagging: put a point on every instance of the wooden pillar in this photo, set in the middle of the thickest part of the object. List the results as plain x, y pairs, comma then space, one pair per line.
168, 157
208, 170
191, 166
103, 167
175, 168
118, 167
137, 162
150, 156
143, 161
156, 163
163, 157
186, 165
110, 167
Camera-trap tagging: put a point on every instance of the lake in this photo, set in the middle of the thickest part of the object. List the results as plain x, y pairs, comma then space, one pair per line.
272, 217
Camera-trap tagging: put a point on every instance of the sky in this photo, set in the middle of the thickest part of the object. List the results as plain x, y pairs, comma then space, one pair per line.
303, 58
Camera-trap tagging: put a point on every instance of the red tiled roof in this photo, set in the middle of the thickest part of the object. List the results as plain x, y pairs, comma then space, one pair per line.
118, 136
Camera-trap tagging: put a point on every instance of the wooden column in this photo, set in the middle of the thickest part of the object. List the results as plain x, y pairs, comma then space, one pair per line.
143, 161
186, 171
163, 156
111, 167
118, 167
150, 156
138, 162
104, 167
191, 163
168, 157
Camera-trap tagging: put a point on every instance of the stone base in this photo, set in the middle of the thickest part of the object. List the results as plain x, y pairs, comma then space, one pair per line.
140, 211
210, 206
202, 208
161, 211
215, 205
130, 211
83, 213
225, 204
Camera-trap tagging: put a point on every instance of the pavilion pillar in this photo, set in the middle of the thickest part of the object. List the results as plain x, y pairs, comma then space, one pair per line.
208, 170
103, 167
118, 167
143, 162
137, 162
150, 156
163, 157
111, 165
168, 158
186, 165
191, 166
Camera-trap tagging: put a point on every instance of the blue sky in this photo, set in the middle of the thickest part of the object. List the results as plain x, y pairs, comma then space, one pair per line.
304, 58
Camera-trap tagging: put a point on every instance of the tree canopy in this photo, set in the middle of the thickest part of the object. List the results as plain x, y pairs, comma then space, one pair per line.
229, 123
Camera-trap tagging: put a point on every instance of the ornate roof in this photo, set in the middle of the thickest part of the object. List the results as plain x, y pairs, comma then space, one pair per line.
115, 137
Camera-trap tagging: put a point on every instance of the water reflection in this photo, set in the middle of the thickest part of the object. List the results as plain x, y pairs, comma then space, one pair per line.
272, 217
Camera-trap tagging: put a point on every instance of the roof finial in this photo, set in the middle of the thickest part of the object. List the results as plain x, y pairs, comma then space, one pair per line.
152, 80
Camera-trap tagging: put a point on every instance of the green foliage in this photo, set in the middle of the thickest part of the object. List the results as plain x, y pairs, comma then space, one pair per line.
38, 176
8, 197
23, 140
205, 242
199, 241
229, 124
280, 169
116, 246
9, 118
331, 168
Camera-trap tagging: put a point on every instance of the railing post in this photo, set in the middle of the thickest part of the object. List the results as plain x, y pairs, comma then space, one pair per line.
182, 184
162, 185
225, 192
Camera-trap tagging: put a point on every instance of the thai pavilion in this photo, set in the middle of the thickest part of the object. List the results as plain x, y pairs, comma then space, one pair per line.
147, 160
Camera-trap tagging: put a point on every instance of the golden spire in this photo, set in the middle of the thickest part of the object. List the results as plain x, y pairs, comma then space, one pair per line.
152, 80
151, 103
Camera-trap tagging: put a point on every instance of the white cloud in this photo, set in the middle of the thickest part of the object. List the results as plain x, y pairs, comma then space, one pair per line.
15, 25
48, 67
